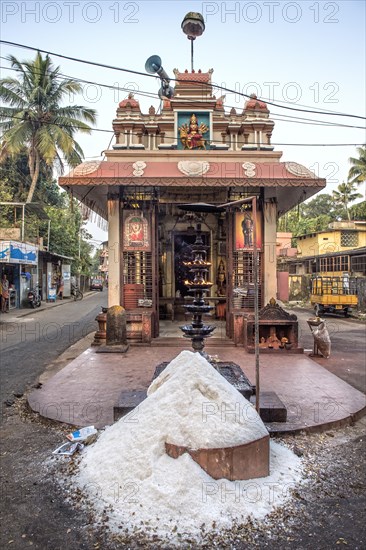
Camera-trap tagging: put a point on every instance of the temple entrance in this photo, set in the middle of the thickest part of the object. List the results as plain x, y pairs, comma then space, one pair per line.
154, 275
183, 252
183, 242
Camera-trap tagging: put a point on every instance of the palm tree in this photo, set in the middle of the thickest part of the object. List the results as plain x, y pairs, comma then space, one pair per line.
35, 118
345, 194
357, 172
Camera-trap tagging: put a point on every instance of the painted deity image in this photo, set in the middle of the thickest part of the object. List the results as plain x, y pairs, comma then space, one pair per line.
136, 233
191, 134
244, 225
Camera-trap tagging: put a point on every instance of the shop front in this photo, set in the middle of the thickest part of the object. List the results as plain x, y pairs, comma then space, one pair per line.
54, 271
19, 262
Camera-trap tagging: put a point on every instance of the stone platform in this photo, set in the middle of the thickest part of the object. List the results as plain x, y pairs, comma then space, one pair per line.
87, 389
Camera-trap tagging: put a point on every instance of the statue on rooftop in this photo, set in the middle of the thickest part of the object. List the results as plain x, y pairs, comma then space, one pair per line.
191, 135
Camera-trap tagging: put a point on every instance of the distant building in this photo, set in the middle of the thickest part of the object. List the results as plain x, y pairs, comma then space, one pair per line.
103, 261
337, 250
284, 246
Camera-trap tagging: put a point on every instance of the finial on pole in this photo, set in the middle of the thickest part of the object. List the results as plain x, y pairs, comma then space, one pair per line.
193, 25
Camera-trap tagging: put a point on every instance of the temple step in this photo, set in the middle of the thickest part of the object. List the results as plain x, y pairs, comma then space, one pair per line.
182, 342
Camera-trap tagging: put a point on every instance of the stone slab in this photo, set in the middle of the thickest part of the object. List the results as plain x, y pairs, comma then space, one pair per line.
230, 371
117, 348
127, 401
271, 408
247, 461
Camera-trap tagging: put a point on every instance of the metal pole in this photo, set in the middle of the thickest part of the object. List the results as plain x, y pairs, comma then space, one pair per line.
79, 255
256, 319
48, 235
23, 214
191, 55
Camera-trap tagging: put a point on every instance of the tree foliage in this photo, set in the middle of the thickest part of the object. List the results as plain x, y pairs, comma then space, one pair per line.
344, 195
357, 172
358, 211
67, 233
69, 238
316, 214
33, 118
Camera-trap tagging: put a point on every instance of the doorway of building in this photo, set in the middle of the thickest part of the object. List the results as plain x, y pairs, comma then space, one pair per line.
183, 252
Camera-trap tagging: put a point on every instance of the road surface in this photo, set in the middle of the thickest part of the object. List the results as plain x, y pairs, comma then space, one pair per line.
28, 344
348, 349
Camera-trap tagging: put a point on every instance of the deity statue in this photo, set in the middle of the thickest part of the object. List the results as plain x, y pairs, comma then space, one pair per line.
191, 135
272, 340
247, 228
221, 279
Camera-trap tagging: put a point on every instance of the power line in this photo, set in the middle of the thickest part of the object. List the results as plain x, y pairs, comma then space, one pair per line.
189, 102
139, 73
171, 138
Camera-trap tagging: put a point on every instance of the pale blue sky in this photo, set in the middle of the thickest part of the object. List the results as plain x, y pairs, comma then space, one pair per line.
309, 53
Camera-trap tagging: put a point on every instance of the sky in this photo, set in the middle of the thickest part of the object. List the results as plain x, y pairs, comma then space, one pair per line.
307, 55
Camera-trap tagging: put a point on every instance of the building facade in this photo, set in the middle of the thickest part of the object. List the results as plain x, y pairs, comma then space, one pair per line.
192, 152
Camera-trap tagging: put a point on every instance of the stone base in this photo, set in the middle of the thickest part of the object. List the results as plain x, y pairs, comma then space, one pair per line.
271, 408
127, 401
247, 461
285, 351
118, 348
230, 371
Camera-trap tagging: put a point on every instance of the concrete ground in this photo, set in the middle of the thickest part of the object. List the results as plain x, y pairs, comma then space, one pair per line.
86, 390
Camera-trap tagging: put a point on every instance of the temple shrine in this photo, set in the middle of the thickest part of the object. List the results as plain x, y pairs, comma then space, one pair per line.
192, 151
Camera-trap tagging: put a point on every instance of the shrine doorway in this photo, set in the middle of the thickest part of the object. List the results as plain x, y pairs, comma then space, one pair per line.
182, 242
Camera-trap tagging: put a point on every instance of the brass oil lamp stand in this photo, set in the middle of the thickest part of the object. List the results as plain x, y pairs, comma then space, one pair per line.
198, 286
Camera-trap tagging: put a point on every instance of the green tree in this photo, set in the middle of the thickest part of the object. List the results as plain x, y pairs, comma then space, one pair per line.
35, 118
322, 205
69, 238
309, 217
358, 211
357, 172
345, 194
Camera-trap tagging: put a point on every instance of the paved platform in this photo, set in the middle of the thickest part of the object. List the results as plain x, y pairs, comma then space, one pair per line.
86, 390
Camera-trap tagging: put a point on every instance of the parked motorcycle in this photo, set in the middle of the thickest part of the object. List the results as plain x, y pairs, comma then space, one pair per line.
34, 297
76, 292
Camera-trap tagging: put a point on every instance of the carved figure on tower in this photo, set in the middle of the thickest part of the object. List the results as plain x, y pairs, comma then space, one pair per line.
191, 135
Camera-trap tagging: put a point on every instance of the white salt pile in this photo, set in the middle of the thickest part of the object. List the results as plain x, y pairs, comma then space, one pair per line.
189, 404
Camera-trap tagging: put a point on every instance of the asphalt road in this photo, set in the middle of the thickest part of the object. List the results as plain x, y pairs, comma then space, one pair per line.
348, 346
28, 344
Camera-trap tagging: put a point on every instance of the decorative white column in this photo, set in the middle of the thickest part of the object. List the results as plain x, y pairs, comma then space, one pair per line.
269, 249
114, 245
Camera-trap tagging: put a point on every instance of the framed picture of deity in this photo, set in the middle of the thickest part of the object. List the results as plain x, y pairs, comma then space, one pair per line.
244, 225
136, 231
193, 130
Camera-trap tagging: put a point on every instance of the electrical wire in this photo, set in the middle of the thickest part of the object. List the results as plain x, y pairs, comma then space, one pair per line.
239, 142
189, 102
139, 73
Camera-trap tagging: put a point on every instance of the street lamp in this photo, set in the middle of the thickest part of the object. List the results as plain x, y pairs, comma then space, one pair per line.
193, 25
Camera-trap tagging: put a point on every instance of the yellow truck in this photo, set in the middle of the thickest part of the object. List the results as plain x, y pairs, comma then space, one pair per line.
333, 294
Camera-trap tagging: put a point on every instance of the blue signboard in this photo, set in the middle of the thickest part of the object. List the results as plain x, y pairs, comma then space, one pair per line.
14, 252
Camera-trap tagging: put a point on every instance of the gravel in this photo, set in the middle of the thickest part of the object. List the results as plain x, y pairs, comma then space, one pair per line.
40, 510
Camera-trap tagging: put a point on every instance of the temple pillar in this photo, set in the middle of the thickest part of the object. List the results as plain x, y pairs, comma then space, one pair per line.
269, 252
114, 246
